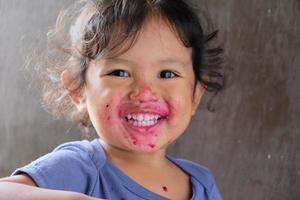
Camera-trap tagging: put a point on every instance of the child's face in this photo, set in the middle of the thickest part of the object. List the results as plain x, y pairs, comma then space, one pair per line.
136, 101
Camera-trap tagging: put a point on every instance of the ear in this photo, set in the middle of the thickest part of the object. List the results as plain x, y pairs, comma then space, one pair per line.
197, 96
77, 96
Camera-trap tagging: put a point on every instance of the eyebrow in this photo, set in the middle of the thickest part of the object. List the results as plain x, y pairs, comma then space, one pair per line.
167, 61
119, 60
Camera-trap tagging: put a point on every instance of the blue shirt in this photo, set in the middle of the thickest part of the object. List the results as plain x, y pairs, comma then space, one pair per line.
81, 166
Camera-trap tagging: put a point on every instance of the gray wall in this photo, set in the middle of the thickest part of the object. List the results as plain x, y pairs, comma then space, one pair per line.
252, 140
26, 130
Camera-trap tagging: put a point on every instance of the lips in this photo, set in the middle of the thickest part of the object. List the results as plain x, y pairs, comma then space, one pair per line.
146, 129
144, 117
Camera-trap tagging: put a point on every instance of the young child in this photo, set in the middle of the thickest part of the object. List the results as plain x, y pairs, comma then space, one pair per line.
137, 71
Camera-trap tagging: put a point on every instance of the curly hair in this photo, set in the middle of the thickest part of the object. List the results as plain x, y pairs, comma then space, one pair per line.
91, 29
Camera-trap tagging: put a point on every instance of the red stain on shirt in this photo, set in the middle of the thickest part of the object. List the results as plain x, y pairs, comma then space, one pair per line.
165, 188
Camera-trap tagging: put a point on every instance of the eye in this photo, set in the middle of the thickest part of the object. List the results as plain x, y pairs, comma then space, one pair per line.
119, 72
167, 74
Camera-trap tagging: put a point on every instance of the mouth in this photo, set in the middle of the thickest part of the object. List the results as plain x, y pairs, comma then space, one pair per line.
144, 120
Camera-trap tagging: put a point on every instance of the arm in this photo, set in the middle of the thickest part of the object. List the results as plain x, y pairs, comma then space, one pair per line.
22, 187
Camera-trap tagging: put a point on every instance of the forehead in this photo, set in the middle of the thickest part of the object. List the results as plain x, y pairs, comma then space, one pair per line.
157, 40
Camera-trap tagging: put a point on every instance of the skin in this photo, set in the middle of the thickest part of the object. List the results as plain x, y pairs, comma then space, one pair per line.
135, 82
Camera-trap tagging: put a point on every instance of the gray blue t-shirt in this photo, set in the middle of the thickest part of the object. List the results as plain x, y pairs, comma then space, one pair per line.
81, 166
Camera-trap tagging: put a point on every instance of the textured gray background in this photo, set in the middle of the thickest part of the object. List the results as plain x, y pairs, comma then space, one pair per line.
251, 141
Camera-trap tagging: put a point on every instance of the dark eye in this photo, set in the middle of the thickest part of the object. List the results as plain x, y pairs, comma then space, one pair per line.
167, 74
119, 72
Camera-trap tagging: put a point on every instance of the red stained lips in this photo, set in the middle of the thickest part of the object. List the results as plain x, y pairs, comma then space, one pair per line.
143, 118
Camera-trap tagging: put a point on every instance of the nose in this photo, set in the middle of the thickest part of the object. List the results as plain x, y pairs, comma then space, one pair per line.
143, 94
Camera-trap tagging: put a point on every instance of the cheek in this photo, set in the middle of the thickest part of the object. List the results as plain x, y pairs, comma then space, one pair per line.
180, 107
174, 106
109, 110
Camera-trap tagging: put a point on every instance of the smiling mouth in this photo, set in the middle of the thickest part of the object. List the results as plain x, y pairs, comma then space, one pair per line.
143, 119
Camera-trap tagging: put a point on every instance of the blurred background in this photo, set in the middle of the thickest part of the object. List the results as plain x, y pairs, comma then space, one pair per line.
252, 139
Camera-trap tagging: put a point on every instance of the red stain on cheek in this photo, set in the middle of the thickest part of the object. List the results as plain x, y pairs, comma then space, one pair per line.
165, 189
108, 117
152, 146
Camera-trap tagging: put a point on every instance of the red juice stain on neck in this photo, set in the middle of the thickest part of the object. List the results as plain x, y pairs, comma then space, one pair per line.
165, 189
152, 145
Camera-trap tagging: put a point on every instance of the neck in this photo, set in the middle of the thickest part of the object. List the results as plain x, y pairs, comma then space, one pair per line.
122, 157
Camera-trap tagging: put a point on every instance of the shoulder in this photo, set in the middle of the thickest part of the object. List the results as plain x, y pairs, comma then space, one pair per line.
202, 176
85, 150
58, 169
200, 173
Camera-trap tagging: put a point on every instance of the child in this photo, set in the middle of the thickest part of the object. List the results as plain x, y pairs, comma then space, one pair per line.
137, 71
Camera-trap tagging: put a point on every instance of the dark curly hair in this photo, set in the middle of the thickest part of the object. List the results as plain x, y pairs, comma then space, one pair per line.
91, 29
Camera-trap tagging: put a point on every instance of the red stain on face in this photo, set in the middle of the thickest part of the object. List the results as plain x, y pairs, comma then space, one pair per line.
108, 117
111, 100
165, 189
144, 94
135, 142
143, 138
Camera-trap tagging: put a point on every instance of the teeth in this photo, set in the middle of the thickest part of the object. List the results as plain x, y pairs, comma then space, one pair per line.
143, 117
147, 117
143, 120
140, 117
142, 123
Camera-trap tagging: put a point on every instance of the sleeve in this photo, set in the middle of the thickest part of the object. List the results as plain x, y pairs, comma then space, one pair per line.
69, 167
215, 194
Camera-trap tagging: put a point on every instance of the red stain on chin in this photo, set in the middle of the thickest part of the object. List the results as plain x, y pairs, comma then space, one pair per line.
165, 188
135, 142
152, 145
